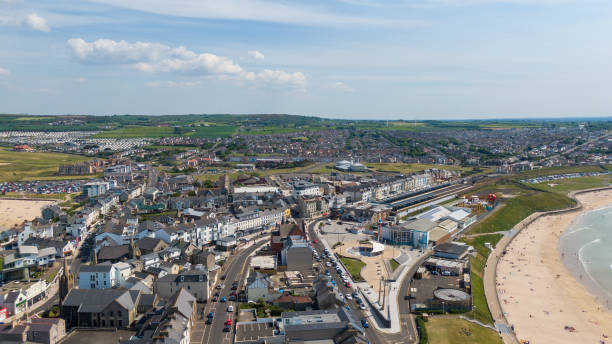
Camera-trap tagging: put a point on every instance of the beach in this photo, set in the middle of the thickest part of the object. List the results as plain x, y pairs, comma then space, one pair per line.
540, 297
16, 211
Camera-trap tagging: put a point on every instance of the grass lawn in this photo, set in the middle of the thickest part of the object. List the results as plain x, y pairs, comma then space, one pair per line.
354, 267
518, 208
394, 264
60, 196
409, 168
559, 170
16, 166
154, 132
477, 263
459, 331
571, 184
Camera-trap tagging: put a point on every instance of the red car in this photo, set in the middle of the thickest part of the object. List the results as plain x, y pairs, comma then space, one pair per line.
315, 241
347, 284
228, 322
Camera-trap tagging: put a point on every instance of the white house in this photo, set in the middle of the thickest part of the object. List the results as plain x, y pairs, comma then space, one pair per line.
101, 276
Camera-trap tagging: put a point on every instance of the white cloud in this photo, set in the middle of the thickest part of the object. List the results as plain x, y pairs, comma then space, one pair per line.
81, 80
256, 54
36, 22
4, 72
173, 84
343, 87
160, 58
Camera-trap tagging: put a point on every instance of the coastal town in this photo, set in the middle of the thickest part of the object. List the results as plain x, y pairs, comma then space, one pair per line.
282, 239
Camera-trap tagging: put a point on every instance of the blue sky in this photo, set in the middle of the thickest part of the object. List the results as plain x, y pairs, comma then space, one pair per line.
366, 59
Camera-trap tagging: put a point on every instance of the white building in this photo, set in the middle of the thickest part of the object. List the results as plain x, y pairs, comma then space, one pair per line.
101, 276
303, 188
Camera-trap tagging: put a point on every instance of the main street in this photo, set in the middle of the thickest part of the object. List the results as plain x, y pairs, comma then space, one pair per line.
408, 332
234, 269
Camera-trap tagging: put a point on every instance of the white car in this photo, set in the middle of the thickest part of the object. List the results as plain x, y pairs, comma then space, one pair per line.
328, 264
230, 308
349, 297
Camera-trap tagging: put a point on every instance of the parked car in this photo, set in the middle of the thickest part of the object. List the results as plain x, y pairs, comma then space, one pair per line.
210, 315
364, 323
223, 299
230, 308
362, 306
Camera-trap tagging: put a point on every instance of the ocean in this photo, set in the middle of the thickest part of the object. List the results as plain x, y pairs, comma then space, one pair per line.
586, 250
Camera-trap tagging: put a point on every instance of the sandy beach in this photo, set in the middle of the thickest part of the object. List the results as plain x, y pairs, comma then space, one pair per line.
16, 211
539, 295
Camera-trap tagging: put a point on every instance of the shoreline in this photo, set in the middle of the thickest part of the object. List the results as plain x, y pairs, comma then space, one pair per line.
577, 268
537, 292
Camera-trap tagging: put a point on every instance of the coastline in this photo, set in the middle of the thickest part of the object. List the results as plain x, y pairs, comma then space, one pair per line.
538, 294
571, 259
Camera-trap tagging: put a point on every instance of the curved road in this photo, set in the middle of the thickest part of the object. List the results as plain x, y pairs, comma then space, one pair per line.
408, 332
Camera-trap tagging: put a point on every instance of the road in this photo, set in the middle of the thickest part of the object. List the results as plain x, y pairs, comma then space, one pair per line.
407, 334
234, 268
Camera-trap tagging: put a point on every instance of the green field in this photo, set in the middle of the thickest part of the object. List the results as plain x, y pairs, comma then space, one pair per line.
518, 208
566, 185
354, 267
60, 196
15, 166
163, 131
477, 264
459, 331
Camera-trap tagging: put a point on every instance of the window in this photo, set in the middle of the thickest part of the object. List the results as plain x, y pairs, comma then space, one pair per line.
119, 313
93, 286
103, 323
120, 323
111, 313
112, 323
92, 277
188, 287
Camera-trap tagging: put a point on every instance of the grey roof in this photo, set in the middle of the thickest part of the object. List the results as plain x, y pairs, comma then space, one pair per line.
96, 300
451, 248
113, 252
104, 267
147, 243
183, 301
420, 225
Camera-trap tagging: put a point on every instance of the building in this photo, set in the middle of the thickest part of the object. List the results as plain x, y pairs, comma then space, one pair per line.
259, 286
34, 330
100, 308
95, 189
297, 254
312, 207
350, 166
303, 188
317, 325
193, 281
99, 276
76, 169
451, 250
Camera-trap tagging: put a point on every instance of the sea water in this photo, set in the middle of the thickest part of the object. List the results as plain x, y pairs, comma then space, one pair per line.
586, 249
